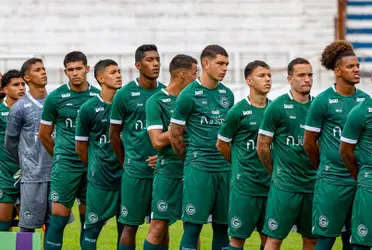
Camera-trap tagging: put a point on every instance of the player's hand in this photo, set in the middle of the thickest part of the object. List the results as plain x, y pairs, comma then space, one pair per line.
151, 161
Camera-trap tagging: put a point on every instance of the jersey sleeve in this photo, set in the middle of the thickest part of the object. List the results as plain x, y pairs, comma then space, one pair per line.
153, 115
229, 127
184, 105
270, 121
316, 115
13, 130
83, 123
354, 126
119, 108
49, 115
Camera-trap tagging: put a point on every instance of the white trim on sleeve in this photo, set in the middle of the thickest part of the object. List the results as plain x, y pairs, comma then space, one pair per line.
178, 122
153, 127
118, 122
312, 129
224, 139
347, 140
46, 122
267, 133
81, 138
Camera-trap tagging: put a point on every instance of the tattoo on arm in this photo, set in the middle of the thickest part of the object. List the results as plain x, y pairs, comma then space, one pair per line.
264, 152
177, 140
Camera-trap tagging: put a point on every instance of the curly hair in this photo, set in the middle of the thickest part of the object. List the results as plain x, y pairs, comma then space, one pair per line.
333, 53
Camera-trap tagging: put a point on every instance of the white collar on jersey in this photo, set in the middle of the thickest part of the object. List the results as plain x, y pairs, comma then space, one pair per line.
198, 81
291, 96
334, 88
137, 83
6, 105
247, 99
68, 86
165, 92
37, 103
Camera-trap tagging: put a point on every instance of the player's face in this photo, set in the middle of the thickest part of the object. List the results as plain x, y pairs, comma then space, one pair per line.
217, 67
260, 80
15, 88
348, 69
149, 66
111, 77
301, 79
76, 72
37, 74
190, 75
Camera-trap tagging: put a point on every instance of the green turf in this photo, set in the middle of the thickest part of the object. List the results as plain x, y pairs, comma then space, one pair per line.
107, 239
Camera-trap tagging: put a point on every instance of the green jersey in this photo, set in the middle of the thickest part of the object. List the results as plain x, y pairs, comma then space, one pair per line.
284, 120
202, 111
128, 109
159, 109
241, 129
8, 167
327, 116
93, 125
61, 108
358, 130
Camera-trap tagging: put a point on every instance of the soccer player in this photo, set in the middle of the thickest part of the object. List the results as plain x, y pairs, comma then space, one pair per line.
132, 145
14, 88
293, 177
23, 143
335, 188
167, 187
95, 151
2, 93
69, 174
237, 139
355, 150
200, 110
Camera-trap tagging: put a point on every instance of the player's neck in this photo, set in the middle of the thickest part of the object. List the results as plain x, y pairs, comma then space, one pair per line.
79, 88
107, 94
10, 102
208, 82
38, 93
147, 83
174, 88
301, 98
344, 88
257, 100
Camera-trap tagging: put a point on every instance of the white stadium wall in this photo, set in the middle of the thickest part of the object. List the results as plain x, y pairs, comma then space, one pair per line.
271, 30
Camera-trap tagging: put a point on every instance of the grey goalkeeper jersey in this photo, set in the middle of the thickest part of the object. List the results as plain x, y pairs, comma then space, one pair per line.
23, 142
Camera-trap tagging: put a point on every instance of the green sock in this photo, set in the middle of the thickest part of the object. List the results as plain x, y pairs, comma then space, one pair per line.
220, 237
54, 237
190, 236
90, 237
262, 247
360, 247
119, 229
234, 248
346, 245
125, 247
5, 226
148, 246
325, 243
82, 222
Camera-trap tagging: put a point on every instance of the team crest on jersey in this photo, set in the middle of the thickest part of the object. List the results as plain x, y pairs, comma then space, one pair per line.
54, 196
236, 222
124, 211
27, 214
66, 95
162, 206
224, 102
273, 224
26, 105
362, 230
190, 209
323, 221
135, 93
4, 113
92, 217
1, 193
288, 106
360, 99
248, 112
331, 101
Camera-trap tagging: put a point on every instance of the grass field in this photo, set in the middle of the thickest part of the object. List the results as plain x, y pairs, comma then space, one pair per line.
107, 239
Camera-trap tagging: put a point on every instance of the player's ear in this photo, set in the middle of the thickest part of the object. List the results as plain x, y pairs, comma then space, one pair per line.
205, 63
138, 65
289, 78
248, 80
337, 71
182, 74
87, 69
26, 78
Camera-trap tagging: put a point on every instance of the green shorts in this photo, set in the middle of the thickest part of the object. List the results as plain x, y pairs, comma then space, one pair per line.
101, 205
332, 208
135, 200
245, 213
361, 222
205, 193
285, 209
67, 183
166, 198
9, 195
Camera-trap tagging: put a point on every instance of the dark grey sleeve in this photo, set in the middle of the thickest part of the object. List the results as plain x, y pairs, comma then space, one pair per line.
13, 130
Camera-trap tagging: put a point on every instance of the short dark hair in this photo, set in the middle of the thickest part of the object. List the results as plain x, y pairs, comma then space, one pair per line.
181, 61
8, 76
294, 62
253, 65
75, 56
27, 64
212, 51
102, 65
141, 50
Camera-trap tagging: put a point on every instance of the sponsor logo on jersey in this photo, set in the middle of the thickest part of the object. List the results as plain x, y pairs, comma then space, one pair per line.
100, 109
166, 100
323, 221
215, 112
204, 102
248, 112
27, 214
253, 123
135, 93
362, 230
104, 120
92, 217
292, 117
4, 113
66, 95
198, 92
139, 125
103, 139
273, 224
139, 104
218, 120
224, 102
338, 110
337, 131
162, 206
360, 99
332, 101
288, 106
236, 222
54, 196
251, 144
93, 94
302, 126
26, 105
190, 209
222, 91
295, 142
124, 211
369, 110
69, 123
